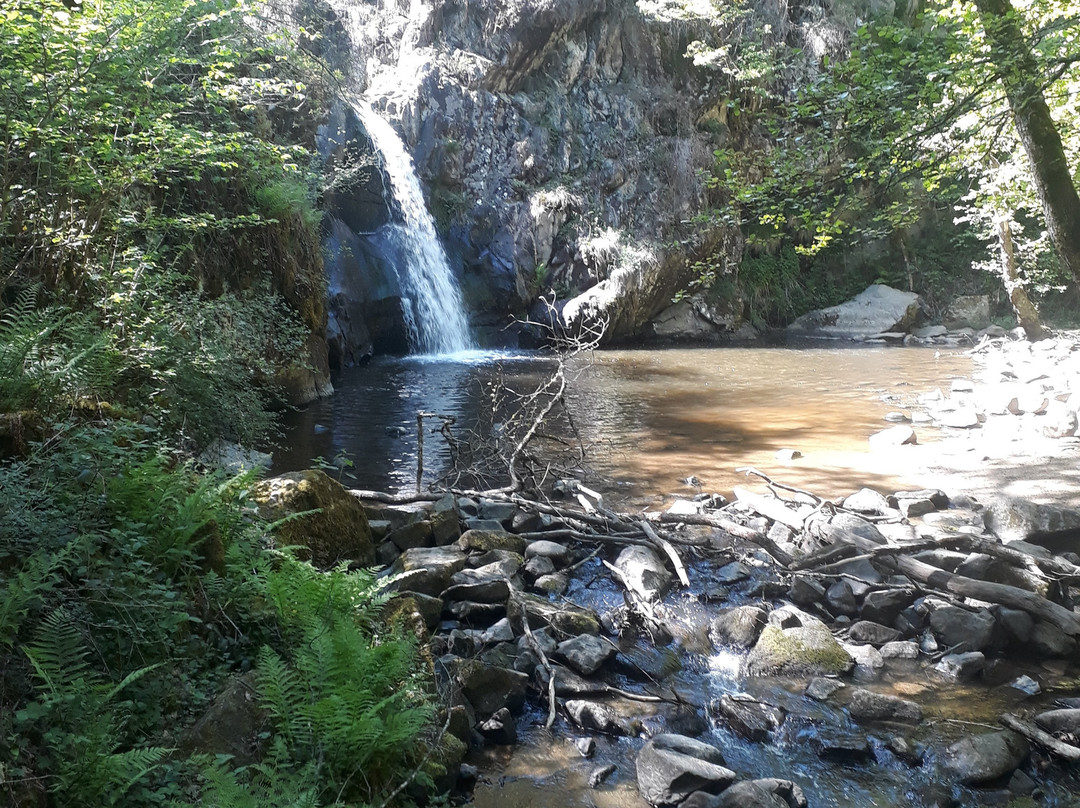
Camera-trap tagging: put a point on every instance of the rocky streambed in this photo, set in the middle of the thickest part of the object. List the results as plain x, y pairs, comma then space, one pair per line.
781, 649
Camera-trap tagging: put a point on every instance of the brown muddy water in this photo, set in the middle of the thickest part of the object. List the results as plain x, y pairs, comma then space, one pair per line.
649, 418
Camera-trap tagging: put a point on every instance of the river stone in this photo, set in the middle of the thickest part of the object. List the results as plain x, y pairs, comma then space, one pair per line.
410, 607
567, 683
900, 435
883, 606
751, 719
867, 500
841, 746
1013, 519
821, 688
586, 653
554, 584
564, 618
900, 649
980, 759
1047, 640
960, 418
473, 613
416, 534
961, 667
526, 522
484, 540
509, 563
672, 767
333, 527
805, 591
866, 705
731, 573
445, 523
482, 590
1060, 722
488, 689
483, 525
877, 309
766, 793
499, 728
739, 626
967, 311
558, 553
597, 717
874, 634
961, 630
539, 566
805, 649
684, 507
840, 599
427, 569
497, 510
867, 658
643, 572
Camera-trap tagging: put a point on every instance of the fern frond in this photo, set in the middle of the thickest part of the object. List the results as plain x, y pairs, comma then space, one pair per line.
59, 653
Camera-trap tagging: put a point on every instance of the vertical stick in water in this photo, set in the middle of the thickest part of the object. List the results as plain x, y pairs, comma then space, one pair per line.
431, 300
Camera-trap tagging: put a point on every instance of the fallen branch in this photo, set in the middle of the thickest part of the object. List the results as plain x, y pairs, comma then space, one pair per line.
666, 546
783, 558
775, 509
1043, 739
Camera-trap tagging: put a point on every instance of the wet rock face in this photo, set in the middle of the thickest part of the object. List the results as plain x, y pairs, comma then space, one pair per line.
672, 767
562, 135
801, 645
983, 758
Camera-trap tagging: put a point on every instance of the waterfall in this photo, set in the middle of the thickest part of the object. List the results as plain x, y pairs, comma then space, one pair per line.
430, 298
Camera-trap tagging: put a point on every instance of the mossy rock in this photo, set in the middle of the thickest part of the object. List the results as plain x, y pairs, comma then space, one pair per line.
485, 540
809, 649
338, 532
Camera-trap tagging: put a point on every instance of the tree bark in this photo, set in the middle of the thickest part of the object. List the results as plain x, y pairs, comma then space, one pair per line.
1026, 313
1020, 76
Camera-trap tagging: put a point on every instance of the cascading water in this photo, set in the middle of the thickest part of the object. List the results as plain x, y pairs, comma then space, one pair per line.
430, 298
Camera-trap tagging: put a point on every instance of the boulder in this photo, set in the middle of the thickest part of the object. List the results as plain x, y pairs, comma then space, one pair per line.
899, 435
597, 717
866, 706
865, 631
499, 728
980, 759
643, 572
1013, 519
967, 311
867, 500
558, 553
231, 724
586, 653
884, 605
488, 688
427, 570
415, 534
961, 667
841, 746
766, 793
752, 719
739, 626
821, 688
564, 618
962, 630
900, 649
806, 648
840, 599
672, 767
1060, 722
876, 310
484, 540
339, 530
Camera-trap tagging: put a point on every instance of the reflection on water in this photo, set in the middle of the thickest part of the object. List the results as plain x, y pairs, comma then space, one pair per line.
651, 418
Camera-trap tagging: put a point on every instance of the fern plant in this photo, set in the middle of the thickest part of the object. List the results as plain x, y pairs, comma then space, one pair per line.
350, 701
79, 719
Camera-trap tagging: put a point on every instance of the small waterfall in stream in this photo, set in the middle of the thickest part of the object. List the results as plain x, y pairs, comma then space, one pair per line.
430, 298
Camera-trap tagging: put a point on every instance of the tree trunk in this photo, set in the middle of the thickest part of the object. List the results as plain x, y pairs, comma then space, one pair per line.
1021, 76
1026, 313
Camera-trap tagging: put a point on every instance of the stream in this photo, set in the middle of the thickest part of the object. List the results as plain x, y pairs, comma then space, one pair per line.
650, 419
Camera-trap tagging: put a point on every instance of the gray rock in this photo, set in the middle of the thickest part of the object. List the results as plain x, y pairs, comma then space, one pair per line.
867, 706
499, 728
1048, 640
484, 540
807, 648
562, 617
643, 572
841, 746
867, 658
428, 569
558, 553
739, 626
913, 508
731, 573
483, 525
867, 500
960, 418
538, 567
968, 311
962, 630
806, 591
1060, 722
473, 613
961, 667
865, 631
597, 717
1017, 519
876, 310
586, 746
900, 650
982, 758
767, 793
600, 774
840, 599
821, 688
684, 507
883, 606
497, 510
752, 719
672, 767
485, 585
488, 689
234, 458
554, 584
586, 653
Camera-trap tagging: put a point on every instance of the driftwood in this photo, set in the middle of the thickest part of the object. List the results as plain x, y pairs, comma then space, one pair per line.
782, 557
775, 509
667, 547
1063, 750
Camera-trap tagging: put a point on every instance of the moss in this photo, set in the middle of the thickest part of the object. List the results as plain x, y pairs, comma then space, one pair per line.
338, 532
803, 650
